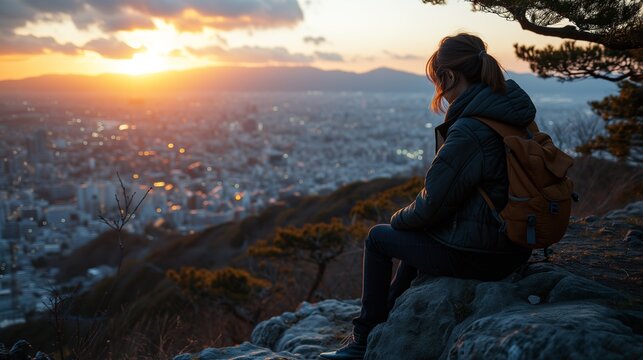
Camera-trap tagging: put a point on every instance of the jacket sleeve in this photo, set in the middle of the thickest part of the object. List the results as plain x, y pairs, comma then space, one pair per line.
455, 172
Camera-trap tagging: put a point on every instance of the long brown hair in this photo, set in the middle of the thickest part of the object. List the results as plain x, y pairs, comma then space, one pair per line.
465, 55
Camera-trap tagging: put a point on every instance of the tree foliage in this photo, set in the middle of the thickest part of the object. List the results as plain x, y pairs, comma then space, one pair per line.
623, 114
617, 24
318, 244
228, 283
315, 243
231, 290
571, 62
379, 207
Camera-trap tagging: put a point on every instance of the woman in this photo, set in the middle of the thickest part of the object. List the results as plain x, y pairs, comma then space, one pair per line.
449, 230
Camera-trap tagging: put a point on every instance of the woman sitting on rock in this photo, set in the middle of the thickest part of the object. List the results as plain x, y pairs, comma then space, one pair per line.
449, 230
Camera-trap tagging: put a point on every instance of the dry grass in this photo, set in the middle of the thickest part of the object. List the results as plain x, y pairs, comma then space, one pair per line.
604, 185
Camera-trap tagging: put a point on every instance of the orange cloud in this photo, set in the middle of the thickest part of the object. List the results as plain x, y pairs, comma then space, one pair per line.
31, 45
192, 20
125, 15
112, 48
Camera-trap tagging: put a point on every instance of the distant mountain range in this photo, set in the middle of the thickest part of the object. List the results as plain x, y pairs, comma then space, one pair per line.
286, 79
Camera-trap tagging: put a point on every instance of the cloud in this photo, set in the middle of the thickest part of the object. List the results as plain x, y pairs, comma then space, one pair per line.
252, 54
315, 40
55, 6
112, 48
195, 15
329, 56
112, 22
402, 56
360, 58
124, 15
31, 45
14, 14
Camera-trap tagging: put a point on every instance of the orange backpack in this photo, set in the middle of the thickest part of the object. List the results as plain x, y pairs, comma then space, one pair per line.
540, 193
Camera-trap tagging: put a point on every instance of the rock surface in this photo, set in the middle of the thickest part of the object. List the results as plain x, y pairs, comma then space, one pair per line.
633, 210
245, 351
312, 329
448, 318
444, 318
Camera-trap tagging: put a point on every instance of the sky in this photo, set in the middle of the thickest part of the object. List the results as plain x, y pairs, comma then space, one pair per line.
144, 36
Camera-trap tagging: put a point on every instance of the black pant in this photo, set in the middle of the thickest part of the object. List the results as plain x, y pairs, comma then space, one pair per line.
418, 252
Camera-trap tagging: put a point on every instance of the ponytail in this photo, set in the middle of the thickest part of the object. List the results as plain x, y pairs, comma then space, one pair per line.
491, 73
466, 56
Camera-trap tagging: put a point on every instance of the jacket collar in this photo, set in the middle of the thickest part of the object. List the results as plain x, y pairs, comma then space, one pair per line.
441, 133
512, 107
454, 111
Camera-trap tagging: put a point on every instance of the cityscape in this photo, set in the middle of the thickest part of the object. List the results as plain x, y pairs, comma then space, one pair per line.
208, 160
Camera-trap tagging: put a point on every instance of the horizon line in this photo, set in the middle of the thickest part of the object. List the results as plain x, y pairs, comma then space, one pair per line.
226, 66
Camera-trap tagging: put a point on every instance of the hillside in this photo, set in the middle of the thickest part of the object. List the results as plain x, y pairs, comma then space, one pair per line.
147, 306
215, 246
216, 79
144, 299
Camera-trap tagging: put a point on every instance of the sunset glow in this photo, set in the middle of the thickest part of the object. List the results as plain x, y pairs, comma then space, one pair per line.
334, 34
144, 63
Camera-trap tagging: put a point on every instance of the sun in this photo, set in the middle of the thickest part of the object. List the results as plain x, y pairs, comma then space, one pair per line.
144, 63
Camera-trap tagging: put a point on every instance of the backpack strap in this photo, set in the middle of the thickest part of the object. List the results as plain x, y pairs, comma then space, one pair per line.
494, 211
505, 130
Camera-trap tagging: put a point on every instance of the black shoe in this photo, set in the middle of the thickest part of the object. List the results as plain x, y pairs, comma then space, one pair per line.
353, 350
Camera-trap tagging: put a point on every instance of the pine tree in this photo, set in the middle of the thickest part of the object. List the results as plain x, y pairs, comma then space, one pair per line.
318, 244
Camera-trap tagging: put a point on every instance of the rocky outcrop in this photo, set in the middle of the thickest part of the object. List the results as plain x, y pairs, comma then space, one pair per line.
21, 350
312, 329
633, 210
548, 310
544, 312
302, 334
245, 351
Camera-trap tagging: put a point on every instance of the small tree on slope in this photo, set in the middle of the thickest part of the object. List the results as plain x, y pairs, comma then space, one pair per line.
318, 244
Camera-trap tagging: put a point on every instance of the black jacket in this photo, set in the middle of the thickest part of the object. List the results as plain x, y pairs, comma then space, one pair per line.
468, 154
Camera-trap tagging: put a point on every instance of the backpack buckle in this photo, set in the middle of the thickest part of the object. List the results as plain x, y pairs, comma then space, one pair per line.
554, 208
531, 229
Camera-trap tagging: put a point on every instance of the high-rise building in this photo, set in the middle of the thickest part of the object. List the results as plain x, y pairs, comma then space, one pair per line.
95, 197
84, 197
